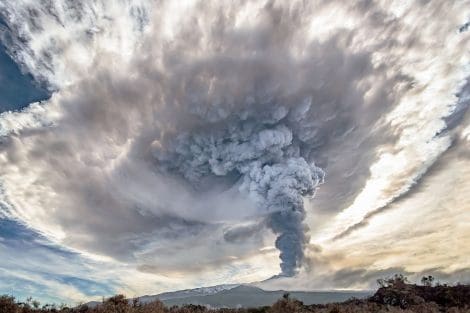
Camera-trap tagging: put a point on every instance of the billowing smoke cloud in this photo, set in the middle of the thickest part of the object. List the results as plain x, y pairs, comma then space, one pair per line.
263, 153
177, 127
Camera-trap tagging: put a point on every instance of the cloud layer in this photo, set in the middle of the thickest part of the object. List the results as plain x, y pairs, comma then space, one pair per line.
177, 128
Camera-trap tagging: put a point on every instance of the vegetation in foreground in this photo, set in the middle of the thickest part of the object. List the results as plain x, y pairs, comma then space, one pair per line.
394, 295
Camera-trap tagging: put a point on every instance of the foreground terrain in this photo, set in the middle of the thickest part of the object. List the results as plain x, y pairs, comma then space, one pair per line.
394, 295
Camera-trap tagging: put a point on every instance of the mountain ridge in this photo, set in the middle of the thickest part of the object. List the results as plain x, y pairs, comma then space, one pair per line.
242, 296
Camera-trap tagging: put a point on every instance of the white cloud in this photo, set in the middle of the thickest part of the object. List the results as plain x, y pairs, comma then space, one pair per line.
81, 168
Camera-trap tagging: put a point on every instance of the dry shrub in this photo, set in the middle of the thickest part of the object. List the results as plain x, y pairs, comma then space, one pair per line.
8, 305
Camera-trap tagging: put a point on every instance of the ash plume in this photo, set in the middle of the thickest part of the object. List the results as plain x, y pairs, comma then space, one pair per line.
263, 153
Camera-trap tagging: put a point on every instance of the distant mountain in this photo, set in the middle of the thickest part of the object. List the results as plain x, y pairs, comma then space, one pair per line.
243, 296
249, 296
197, 292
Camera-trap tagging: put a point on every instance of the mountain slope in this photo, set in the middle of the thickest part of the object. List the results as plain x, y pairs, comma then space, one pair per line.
196, 292
249, 296
242, 296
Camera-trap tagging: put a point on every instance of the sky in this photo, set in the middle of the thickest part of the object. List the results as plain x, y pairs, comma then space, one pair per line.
148, 146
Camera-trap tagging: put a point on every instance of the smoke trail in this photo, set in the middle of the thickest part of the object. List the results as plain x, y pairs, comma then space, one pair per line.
262, 152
